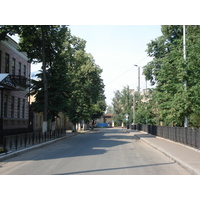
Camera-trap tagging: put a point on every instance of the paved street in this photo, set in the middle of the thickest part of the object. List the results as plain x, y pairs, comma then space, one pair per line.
103, 152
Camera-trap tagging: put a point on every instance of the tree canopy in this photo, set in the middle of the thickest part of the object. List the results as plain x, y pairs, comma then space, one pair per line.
69, 78
168, 71
122, 104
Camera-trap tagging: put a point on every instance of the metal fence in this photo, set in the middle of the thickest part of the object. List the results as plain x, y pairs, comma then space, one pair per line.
187, 136
20, 141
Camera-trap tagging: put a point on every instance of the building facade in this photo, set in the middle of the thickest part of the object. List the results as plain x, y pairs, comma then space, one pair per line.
14, 87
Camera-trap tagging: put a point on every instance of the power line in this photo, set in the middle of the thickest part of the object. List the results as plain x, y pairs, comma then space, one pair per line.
125, 72
120, 75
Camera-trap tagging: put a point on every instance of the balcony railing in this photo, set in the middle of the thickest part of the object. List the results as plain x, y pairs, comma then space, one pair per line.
20, 80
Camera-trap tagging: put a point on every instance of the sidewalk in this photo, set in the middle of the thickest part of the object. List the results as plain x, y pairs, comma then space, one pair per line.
18, 152
187, 157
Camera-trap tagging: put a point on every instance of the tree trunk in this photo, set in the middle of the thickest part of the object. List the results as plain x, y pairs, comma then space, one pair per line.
53, 126
92, 125
44, 125
74, 127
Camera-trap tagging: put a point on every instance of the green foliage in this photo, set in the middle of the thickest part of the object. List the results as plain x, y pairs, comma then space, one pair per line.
110, 110
122, 105
168, 71
86, 96
74, 84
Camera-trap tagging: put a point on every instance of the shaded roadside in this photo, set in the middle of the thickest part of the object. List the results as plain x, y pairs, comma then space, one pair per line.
11, 154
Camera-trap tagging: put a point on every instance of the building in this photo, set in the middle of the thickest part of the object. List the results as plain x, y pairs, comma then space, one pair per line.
14, 85
36, 119
106, 118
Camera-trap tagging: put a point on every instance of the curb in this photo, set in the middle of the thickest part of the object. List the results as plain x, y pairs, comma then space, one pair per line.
18, 152
178, 161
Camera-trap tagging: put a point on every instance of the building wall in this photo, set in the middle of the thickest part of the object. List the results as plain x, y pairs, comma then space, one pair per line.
10, 47
13, 120
61, 122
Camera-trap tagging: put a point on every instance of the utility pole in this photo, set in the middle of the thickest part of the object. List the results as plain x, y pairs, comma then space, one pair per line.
138, 77
146, 102
134, 94
133, 106
185, 81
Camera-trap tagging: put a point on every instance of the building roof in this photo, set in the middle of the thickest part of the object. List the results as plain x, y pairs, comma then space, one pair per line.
108, 115
13, 45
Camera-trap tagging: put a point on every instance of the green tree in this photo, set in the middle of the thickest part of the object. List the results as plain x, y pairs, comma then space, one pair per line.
109, 109
168, 71
86, 85
69, 80
117, 108
42, 44
122, 105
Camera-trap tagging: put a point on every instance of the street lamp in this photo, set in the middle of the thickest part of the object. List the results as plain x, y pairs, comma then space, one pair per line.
185, 81
139, 89
134, 94
138, 77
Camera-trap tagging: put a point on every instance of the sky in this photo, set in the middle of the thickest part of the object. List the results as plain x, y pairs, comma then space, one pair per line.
116, 32
116, 49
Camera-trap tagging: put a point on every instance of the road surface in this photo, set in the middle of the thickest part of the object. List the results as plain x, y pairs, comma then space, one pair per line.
102, 152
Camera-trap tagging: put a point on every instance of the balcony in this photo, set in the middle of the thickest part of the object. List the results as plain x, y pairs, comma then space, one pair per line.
20, 81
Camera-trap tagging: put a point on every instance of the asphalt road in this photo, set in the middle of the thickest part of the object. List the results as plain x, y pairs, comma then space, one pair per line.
103, 152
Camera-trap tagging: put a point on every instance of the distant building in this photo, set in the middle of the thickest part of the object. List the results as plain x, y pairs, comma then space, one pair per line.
14, 84
106, 118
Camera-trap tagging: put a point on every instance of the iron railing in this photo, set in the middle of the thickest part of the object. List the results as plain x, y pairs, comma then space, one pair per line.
20, 141
20, 80
187, 136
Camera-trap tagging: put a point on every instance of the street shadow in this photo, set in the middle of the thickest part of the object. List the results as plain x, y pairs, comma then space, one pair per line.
145, 135
111, 169
121, 137
80, 145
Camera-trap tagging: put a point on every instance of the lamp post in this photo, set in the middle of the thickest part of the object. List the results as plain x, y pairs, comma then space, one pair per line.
134, 94
185, 81
138, 77
139, 90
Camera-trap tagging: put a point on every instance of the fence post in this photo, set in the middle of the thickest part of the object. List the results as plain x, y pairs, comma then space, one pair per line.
25, 139
16, 142
45, 136
195, 138
4, 143
39, 137
185, 131
33, 138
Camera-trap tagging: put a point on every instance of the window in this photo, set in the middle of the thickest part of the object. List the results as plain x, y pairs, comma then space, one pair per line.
24, 70
13, 66
7, 58
12, 107
23, 109
20, 69
5, 105
18, 108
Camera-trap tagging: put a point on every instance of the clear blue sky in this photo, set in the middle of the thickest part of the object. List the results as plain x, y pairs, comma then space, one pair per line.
116, 48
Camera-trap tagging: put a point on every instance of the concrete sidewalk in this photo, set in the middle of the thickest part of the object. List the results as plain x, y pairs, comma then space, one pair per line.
18, 152
187, 157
